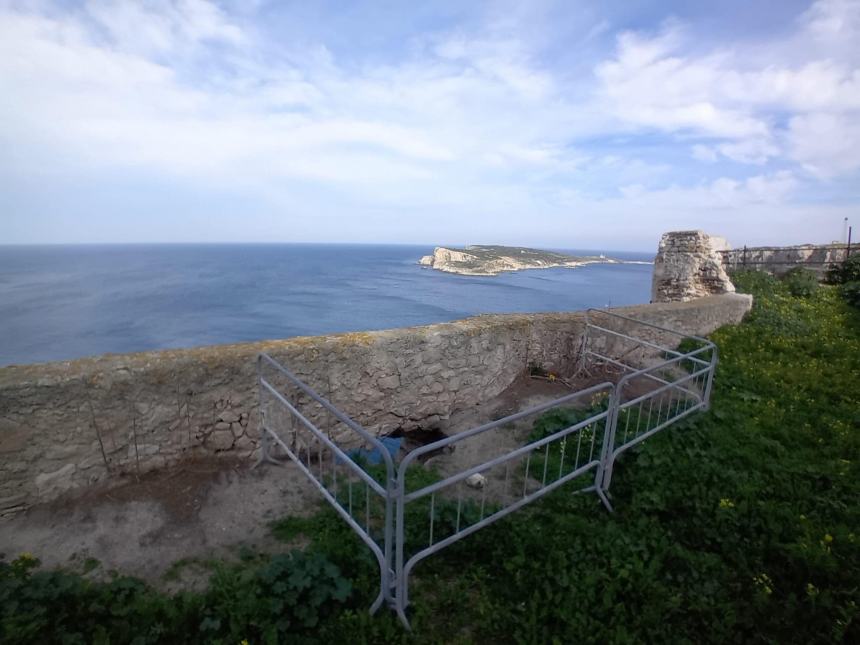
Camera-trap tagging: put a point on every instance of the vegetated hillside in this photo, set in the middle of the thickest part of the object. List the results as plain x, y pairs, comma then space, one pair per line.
739, 525
491, 260
487, 252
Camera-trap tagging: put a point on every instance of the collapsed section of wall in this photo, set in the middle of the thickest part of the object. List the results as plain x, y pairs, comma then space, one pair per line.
71, 424
689, 265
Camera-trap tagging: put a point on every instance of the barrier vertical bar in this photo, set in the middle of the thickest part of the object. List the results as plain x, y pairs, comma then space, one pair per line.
265, 440
606, 459
706, 395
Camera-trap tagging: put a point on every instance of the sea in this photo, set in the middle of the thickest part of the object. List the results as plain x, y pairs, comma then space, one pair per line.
65, 302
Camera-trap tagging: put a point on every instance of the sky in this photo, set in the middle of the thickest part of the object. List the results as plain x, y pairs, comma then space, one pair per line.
563, 124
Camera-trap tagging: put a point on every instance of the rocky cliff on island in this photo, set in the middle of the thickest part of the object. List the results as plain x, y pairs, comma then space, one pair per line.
492, 260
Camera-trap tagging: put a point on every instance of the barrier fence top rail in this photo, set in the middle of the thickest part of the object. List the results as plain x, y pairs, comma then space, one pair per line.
461, 436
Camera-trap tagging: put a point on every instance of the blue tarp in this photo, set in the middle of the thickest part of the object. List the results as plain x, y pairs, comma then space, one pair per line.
373, 456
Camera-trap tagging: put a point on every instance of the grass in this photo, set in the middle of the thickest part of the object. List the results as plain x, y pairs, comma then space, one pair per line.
739, 525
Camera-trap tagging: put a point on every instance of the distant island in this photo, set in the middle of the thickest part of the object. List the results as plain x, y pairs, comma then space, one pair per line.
492, 260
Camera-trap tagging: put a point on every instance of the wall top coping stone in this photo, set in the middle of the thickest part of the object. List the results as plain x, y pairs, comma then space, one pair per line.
52, 373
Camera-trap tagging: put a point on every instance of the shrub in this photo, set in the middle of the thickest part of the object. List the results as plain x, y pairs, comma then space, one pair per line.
756, 282
851, 293
61, 606
289, 594
281, 599
847, 271
801, 282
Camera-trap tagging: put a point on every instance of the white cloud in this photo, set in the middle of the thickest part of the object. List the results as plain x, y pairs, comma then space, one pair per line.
827, 145
834, 22
646, 85
471, 122
722, 193
163, 27
701, 152
722, 95
503, 60
751, 151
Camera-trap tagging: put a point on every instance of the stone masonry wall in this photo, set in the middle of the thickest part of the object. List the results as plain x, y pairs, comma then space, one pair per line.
781, 259
688, 265
70, 424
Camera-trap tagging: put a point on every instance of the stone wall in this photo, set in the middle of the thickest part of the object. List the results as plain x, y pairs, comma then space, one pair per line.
781, 259
71, 424
688, 265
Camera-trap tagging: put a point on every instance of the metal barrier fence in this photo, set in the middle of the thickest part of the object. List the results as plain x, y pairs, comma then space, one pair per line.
657, 385
365, 503
404, 513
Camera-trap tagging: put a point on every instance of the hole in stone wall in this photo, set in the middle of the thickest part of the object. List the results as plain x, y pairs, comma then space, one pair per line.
418, 437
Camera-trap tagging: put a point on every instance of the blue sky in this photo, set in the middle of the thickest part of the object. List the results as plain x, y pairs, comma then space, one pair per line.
563, 124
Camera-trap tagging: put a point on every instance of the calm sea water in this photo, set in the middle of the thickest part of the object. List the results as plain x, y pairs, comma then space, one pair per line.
63, 302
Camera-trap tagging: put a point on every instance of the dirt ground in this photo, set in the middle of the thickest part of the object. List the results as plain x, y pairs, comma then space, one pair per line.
205, 510
197, 510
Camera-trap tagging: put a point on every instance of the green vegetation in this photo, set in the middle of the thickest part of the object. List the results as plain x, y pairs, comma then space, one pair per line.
261, 599
850, 291
739, 525
492, 260
847, 275
801, 282
561, 457
484, 253
847, 271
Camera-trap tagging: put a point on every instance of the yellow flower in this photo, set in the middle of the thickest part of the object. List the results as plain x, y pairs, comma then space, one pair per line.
764, 583
244, 641
726, 503
27, 556
828, 538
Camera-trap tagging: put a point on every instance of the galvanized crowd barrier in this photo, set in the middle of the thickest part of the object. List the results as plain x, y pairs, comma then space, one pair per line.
645, 382
681, 381
365, 503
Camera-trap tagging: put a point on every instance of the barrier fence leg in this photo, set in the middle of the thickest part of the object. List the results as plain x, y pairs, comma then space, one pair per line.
706, 395
388, 582
400, 582
604, 471
265, 439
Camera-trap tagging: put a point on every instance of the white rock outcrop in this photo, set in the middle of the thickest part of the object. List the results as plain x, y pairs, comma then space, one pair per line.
480, 260
688, 265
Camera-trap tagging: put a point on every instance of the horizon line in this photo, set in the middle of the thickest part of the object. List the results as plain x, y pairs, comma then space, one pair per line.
305, 243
